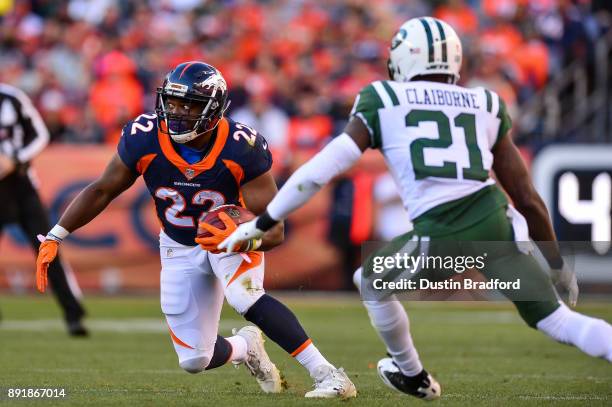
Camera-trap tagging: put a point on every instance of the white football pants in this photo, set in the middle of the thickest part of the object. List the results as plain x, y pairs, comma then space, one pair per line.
193, 284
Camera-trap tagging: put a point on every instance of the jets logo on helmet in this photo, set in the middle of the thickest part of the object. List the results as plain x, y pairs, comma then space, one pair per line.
424, 46
399, 37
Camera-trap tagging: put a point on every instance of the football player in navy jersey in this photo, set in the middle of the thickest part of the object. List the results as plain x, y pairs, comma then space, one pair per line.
194, 159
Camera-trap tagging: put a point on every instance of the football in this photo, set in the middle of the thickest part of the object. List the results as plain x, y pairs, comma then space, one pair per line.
237, 213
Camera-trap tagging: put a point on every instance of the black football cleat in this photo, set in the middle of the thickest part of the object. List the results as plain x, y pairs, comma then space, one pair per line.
77, 329
422, 386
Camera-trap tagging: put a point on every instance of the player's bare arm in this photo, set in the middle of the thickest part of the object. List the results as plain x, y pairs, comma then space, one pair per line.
514, 177
92, 200
87, 205
257, 194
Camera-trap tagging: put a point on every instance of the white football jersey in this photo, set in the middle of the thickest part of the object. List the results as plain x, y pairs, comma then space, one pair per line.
436, 138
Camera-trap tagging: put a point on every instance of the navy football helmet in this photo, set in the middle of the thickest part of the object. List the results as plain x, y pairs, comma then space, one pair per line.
202, 92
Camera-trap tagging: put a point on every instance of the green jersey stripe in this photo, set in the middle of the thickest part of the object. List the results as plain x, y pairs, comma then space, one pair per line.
442, 40
382, 93
429, 39
366, 106
391, 93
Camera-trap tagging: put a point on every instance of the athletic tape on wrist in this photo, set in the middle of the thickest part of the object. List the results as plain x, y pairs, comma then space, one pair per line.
252, 245
57, 233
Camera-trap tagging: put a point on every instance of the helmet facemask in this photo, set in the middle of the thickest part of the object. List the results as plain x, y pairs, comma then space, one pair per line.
194, 116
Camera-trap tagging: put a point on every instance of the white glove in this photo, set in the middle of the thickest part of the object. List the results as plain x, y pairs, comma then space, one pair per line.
244, 232
567, 278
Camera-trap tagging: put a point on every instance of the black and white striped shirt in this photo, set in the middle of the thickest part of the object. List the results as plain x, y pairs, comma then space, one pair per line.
23, 134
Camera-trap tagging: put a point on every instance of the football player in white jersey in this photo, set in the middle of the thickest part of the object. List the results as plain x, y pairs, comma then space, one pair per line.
441, 143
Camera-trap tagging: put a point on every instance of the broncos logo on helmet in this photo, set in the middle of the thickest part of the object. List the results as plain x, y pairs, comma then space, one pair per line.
216, 82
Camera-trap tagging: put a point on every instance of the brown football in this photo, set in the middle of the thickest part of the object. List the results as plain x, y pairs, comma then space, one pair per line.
237, 213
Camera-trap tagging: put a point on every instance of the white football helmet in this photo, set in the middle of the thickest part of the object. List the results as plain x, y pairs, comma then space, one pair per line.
424, 46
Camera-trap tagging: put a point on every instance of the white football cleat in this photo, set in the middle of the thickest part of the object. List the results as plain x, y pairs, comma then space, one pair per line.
331, 383
422, 386
258, 362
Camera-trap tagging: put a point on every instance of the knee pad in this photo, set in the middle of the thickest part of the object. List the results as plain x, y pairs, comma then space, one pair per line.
241, 297
195, 365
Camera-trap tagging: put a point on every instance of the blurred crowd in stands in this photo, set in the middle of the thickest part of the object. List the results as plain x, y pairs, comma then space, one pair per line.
293, 66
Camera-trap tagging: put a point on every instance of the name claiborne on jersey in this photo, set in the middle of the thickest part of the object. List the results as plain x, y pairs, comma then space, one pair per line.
442, 97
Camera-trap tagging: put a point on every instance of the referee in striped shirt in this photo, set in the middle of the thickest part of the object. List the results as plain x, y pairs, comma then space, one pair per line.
23, 135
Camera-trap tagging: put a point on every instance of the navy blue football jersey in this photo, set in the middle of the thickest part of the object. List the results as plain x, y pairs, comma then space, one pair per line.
184, 192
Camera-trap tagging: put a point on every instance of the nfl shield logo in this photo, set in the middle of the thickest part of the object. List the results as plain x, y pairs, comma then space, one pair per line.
189, 173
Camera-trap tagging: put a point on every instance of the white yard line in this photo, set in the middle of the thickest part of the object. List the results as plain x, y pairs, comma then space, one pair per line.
470, 317
522, 397
563, 397
177, 371
154, 325
498, 377
132, 325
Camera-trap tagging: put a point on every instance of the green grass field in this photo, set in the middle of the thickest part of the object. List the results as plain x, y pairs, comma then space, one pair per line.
482, 354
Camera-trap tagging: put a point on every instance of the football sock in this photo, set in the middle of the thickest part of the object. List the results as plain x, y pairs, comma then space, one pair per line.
239, 348
221, 354
391, 322
309, 356
277, 322
593, 336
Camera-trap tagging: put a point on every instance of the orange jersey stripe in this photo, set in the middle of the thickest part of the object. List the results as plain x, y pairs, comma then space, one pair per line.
206, 163
144, 162
235, 169
238, 173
